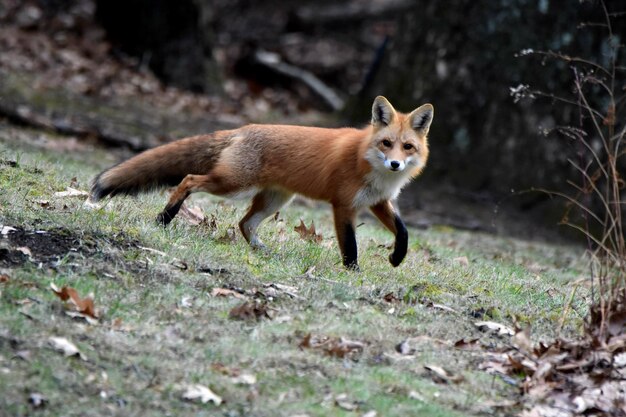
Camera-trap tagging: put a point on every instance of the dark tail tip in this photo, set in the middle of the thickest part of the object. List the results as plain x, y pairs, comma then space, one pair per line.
99, 190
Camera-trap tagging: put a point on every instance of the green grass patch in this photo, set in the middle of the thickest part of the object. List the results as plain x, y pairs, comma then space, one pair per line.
160, 328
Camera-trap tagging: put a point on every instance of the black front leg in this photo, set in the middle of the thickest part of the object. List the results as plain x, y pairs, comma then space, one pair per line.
169, 212
349, 249
402, 242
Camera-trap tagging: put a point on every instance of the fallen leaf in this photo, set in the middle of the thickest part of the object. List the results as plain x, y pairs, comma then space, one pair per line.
225, 292
521, 340
343, 402
37, 400
414, 395
92, 205
6, 230
391, 298
443, 308
86, 317
504, 404
76, 303
466, 344
25, 250
492, 326
275, 290
244, 379
619, 360
441, 375
201, 393
66, 347
71, 192
24, 355
193, 215
494, 367
308, 233
338, 347
225, 370
462, 260
4, 278
250, 310
186, 301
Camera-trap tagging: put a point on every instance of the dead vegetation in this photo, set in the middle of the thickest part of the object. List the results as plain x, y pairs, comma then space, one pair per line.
586, 376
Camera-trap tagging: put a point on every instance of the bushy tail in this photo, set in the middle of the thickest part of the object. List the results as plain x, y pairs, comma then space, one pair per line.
161, 166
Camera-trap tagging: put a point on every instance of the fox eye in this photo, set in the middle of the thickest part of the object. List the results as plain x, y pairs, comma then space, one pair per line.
407, 146
386, 143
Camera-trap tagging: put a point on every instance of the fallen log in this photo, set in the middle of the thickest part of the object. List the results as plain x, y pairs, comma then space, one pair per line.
274, 63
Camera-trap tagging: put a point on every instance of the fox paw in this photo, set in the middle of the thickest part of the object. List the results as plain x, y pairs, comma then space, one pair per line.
256, 244
163, 218
352, 266
395, 260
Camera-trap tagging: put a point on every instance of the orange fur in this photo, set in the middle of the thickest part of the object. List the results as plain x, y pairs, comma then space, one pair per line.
350, 168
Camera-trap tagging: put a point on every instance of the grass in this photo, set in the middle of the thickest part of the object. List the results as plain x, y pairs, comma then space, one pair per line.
160, 328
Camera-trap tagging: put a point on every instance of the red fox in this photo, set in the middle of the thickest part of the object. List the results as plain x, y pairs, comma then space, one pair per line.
350, 168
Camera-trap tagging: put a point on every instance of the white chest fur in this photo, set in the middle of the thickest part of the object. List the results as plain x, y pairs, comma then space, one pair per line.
380, 186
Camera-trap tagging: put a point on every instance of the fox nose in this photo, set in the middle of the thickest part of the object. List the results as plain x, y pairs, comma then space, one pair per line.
394, 165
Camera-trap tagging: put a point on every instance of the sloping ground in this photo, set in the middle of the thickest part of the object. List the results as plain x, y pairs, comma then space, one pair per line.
313, 339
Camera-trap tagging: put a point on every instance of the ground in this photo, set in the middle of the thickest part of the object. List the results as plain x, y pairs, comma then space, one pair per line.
167, 301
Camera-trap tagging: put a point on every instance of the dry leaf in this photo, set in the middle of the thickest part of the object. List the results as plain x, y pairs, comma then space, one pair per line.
414, 395
24, 355
462, 260
86, 317
308, 233
244, 379
564, 378
92, 205
201, 393
343, 402
467, 344
225, 292
441, 375
193, 215
77, 304
338, 347
275, 290
521, 340
37, 400
443, 308
6, 230
391, 298
66, 347
250, 310
4, 278
25, 250
186, 302
71, 192
492, 326
225, 370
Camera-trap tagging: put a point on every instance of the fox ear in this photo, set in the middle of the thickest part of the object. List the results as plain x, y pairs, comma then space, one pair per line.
382, 112
421, 118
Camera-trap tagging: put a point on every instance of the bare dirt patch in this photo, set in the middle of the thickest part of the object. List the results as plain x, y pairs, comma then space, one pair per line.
46, 246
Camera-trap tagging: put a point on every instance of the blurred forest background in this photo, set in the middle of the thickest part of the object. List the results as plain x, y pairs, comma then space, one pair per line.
136, 73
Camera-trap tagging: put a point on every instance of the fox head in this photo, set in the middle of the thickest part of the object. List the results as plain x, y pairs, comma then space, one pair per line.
399, 143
